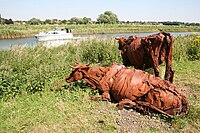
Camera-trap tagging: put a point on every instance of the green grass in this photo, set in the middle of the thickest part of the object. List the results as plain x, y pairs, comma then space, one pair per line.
187, 77
30, 70
34, 96
70, 111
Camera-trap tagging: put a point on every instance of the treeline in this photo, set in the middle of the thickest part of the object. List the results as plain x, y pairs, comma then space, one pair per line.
175, 23
6, 21
179, 23
108, 17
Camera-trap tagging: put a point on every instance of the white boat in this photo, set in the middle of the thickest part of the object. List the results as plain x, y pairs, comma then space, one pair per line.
56, 34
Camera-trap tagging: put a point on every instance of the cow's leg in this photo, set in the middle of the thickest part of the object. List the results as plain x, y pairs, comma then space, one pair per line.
105, 97
156, 70
155, 64
146, 104
104, 87
169, 72
124, 58
126, 102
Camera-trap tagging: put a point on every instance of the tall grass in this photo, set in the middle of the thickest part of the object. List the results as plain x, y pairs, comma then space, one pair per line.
181, 47
31, 70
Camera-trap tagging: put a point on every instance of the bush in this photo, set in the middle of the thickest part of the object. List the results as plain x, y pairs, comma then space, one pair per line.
194, 50
103, 52
186, 48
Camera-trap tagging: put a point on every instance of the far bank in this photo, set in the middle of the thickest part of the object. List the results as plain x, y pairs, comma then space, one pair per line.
24, 31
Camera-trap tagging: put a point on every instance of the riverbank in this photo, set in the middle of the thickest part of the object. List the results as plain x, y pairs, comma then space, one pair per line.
24, 31
32, 41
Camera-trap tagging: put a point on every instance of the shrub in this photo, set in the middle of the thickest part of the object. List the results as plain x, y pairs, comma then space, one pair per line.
102, 51
186, 48
194, 49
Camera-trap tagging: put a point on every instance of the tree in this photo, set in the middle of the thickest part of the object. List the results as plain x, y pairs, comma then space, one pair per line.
108, 17
48, 21
34, 21
55, 21
86, 20
75, 20
64, 21
9, 21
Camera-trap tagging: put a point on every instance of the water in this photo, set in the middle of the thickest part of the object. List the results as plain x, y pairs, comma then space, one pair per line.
32, 42
9, 43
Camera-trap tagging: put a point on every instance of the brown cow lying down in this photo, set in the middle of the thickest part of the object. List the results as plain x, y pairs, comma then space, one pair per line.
147, 52
132, 88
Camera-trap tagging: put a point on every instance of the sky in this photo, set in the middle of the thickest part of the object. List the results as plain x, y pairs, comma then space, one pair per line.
126, 10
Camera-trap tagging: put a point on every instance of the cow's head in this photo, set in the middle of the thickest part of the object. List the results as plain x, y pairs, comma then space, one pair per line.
77, 73
121, 41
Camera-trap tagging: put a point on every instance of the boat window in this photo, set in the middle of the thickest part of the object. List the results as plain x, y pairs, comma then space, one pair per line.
68, 30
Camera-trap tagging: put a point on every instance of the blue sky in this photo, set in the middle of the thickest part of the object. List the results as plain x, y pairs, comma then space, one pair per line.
127, 10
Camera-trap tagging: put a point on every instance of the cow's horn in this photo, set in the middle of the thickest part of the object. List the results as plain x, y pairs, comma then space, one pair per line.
71, 66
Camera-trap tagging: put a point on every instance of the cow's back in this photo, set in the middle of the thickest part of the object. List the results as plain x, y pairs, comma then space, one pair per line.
128, 82
138, 85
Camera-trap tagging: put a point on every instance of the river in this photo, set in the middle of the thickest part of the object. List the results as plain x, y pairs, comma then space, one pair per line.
32, 42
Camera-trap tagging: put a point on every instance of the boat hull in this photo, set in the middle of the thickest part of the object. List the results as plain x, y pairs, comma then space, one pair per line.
54, 37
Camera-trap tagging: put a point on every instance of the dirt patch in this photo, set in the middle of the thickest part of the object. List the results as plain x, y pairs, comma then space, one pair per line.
132, 121
188, 91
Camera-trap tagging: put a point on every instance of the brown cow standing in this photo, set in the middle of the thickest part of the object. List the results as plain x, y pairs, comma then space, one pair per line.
132, 88
147, 52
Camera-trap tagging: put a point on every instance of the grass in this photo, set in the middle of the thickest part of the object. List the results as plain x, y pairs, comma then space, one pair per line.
72, 110
36, 98
56, 112
187, 78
